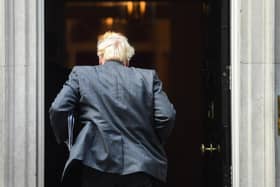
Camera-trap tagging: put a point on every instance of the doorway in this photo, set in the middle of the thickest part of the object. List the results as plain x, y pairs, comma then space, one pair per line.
187, 43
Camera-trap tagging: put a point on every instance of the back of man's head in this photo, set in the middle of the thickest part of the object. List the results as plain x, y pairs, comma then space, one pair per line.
114, 46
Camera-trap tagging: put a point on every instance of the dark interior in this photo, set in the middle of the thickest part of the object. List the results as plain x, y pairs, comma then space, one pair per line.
186, 42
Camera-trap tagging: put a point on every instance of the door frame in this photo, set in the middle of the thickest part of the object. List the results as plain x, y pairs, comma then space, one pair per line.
235, 89
41, 93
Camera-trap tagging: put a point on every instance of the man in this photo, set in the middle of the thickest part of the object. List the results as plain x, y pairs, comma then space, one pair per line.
126, 119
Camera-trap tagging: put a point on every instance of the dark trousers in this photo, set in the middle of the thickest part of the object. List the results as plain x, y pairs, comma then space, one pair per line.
94, 178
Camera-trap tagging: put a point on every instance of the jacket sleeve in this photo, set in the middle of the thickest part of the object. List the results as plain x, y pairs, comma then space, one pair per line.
64, 105
164, 112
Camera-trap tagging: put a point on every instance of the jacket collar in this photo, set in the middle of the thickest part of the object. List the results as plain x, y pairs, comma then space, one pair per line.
113, 62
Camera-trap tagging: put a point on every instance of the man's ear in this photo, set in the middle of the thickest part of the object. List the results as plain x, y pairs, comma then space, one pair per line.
101, 60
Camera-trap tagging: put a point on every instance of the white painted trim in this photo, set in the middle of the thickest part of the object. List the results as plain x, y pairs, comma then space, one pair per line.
235, 87
40, 93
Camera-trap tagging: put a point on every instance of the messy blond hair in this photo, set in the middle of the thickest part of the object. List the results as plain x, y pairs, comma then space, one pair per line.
114, 46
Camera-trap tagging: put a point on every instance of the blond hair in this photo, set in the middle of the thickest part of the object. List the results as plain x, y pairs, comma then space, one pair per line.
114, 46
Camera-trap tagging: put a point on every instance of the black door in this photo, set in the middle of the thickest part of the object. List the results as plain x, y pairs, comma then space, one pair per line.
216, 145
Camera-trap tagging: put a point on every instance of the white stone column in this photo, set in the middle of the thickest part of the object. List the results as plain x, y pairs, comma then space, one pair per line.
257, 94
19, 95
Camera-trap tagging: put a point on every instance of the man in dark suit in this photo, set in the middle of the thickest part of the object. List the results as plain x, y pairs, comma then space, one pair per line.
125, 115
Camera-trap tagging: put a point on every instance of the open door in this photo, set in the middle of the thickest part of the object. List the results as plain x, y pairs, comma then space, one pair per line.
187, 42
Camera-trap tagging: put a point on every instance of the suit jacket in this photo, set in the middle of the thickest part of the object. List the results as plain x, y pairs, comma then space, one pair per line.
125, 115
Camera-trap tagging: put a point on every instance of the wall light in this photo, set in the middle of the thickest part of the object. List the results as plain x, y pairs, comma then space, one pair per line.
136, 8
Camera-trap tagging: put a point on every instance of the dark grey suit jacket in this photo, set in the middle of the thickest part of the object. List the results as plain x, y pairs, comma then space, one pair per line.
126, 118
